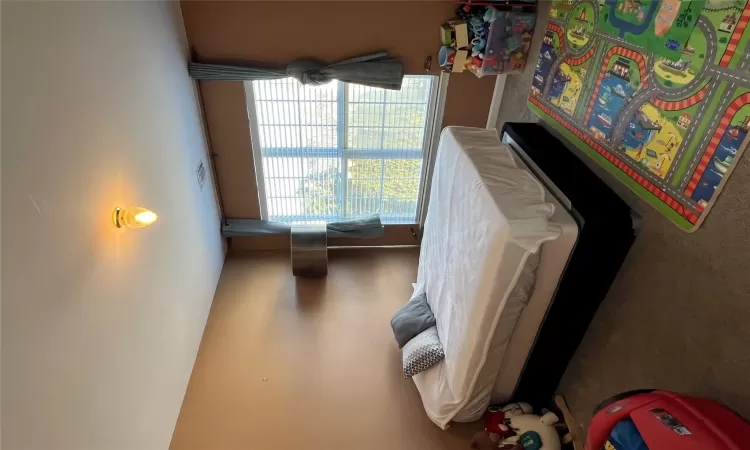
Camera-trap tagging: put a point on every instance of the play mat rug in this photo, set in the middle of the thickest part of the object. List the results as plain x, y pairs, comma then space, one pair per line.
657, 92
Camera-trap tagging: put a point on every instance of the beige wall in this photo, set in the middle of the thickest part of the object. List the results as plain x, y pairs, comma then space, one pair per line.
100, 326
280, 31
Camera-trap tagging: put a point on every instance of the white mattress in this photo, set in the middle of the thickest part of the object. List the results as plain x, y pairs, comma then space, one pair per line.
506, 325
486, 217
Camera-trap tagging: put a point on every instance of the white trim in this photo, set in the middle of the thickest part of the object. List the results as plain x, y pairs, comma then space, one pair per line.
497, 99
437, 108
255, 144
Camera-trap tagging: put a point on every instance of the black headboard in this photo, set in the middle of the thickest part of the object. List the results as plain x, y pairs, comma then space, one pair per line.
608, 228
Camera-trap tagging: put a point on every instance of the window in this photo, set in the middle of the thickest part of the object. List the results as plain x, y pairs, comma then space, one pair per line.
340, 151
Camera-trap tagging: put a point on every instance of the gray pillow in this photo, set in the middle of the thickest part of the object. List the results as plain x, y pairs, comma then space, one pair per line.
413, 318
422, 352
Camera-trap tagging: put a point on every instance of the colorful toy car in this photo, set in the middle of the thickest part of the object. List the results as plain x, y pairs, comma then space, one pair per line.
665, 420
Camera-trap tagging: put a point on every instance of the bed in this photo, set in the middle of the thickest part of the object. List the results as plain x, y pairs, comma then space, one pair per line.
499, 239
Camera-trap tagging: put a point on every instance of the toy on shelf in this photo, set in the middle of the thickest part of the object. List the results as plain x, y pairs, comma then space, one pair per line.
514, 5
455, 54
486, 40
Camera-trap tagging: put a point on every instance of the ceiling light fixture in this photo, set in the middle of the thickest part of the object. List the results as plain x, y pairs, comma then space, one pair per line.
133, 217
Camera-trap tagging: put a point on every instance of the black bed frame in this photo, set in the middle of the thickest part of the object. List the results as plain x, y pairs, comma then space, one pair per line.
607, 229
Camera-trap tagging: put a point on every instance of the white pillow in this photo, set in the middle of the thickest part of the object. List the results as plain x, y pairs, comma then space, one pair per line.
422, 352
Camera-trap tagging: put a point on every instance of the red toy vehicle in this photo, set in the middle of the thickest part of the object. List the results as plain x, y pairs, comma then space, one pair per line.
667, 420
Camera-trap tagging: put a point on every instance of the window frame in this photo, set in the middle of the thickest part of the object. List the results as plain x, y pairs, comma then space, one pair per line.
345, 154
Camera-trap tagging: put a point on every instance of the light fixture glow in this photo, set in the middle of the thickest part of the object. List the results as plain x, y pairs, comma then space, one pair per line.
133, 217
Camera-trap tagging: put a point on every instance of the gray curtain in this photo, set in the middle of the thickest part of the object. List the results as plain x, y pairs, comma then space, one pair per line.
376, 70
365, 228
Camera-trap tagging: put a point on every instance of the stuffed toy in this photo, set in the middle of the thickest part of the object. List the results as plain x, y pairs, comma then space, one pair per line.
514, 427
495, 424
515, 409
532, 432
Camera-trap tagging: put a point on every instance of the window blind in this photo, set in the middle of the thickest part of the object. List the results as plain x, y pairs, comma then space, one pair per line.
341, 151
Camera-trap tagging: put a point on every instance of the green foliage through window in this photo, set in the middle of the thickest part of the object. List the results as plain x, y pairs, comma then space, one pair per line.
342, 151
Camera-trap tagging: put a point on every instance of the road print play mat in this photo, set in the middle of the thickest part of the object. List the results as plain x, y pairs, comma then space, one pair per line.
666, 112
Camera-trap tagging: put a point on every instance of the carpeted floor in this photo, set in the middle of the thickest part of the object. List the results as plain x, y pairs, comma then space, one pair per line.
291, 363
678, 315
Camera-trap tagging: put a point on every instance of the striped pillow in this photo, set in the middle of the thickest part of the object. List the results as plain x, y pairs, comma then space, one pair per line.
422, 352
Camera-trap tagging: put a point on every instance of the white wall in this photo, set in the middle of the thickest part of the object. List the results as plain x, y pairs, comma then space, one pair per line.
100, 326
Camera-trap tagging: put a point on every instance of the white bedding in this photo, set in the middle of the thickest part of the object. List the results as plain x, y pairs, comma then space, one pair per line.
486, 216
